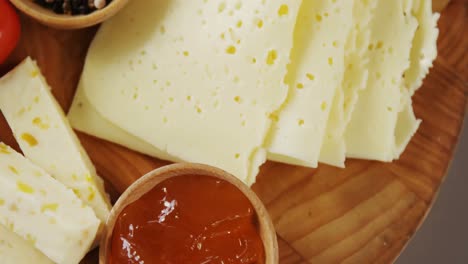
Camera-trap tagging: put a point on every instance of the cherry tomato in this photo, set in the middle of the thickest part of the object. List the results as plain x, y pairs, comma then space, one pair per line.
9, 29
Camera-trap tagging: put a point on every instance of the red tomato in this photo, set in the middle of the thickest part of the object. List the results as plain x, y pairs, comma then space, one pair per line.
9, 29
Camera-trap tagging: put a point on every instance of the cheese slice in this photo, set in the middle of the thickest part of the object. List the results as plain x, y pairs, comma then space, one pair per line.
195, 79
356, 58
424, 49
316, 71
43, 211
45, 136
371, 131
84, 117
15, 250
406, 127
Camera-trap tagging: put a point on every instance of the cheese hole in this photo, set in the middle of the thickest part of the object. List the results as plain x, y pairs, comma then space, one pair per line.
390, 109
239, 24
221, 7
335, 44
222, 36
189, 98
310, 76
318, 18
379, 45
271, 57
30, 139
24, 187
236, 79
238, 99
237, 155
238, 5
300, 86
243, 123
378, 75
165, 120
13, 169
323, 106
199, 110
168, 83
171, 99
330, 61
300, 122
283, 10
370, 47
231, 50
325, 14
254, 60
186, 53
260, 23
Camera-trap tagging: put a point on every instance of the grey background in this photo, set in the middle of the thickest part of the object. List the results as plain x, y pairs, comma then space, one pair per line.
443, 238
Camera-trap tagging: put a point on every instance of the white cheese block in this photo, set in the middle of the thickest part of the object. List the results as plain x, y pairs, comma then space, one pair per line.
195, 79
45, 136
356, 58
84, 117
15, 250
315, 73
43, 211
371, 131
424, 49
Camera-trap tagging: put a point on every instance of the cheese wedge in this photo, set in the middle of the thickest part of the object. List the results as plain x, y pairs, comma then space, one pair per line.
45, 136
316, 71
200, 90
333, 150
15, 250
43, 211
84, 117
371, 131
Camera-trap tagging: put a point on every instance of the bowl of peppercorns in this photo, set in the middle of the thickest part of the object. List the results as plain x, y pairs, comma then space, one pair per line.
70, 14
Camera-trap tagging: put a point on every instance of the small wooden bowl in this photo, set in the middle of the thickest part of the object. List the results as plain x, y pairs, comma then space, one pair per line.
48, 17
150, 180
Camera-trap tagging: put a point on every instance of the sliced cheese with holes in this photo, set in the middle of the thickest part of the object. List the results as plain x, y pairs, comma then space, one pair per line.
15, 250
45, 136
43, 211
371, 131
315, 73
356, 58
424, 49
195, 79
84, 117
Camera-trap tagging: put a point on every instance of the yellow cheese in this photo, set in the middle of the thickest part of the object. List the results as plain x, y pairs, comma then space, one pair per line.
316, 71
371, 131
42, 211
191, 86
45, 136
15, 250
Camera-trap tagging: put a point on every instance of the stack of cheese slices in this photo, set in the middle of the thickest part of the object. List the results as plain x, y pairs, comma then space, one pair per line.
232, 83
52, 203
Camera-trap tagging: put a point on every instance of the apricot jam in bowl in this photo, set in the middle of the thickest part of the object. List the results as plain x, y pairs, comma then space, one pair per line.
189, 213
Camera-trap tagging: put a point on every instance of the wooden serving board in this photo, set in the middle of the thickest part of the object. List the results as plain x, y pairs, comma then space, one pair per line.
365, 213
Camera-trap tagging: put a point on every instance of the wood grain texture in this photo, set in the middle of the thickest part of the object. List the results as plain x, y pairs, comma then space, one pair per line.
365, 213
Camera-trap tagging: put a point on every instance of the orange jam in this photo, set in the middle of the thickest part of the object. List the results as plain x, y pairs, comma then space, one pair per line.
188, 219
